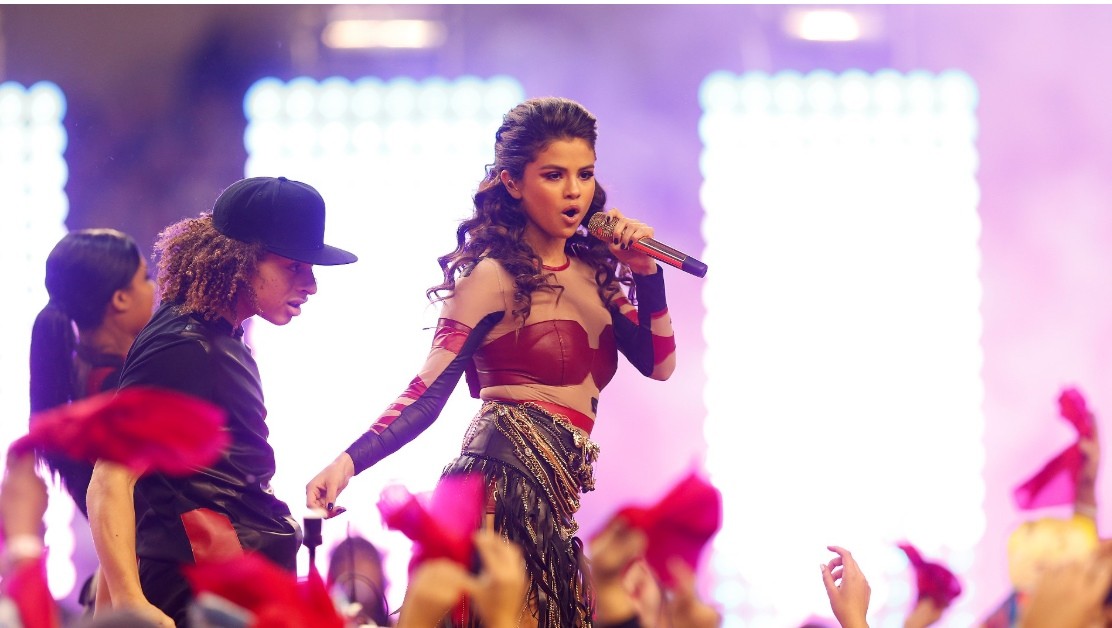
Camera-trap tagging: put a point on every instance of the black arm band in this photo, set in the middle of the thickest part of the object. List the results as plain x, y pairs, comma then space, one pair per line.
650, 294
372, 447
636, 341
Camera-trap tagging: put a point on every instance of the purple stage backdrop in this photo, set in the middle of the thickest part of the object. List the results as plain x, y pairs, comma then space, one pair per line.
156, 124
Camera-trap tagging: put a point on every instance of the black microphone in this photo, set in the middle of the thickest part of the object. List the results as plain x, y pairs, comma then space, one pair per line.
602, 227
312, 538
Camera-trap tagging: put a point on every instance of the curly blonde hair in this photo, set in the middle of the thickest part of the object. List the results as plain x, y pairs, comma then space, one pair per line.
203, 270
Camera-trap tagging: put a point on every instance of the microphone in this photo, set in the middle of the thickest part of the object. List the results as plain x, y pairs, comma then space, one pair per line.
312, 537
602, 227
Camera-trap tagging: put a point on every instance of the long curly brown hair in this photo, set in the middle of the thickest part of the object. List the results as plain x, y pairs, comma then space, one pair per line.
497, 227
203, 270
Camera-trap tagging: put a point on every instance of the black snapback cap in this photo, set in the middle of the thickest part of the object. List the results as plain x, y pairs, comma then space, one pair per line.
285, 216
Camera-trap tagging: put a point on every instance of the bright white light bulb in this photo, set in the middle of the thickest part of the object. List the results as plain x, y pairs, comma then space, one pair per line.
264, 100
45, 103
467, 96
301, 98
825, 25
334, 97
718, 92
366, 101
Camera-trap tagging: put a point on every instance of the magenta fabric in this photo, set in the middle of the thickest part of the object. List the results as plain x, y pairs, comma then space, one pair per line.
1072, 406
146, 429
440, 526
1055, 484
934, 581
679, 525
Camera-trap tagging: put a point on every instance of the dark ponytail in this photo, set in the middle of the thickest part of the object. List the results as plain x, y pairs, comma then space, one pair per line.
83, 271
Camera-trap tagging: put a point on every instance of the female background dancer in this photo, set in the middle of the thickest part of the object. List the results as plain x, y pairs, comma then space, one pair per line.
536, 312
97, 281
101, 296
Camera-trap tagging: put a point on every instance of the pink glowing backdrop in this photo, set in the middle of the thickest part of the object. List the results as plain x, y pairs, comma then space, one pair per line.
155, 121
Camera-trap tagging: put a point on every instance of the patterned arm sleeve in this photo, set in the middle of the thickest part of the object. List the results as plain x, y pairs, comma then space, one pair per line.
644, 335
420, 404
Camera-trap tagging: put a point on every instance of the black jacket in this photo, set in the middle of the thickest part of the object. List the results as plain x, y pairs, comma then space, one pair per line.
208, 359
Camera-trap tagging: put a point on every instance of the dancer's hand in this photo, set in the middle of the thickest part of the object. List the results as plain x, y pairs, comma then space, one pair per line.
321, 492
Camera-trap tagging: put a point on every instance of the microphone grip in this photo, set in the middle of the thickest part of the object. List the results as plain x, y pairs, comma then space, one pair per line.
602, 227
312, 532
672, 257
312, 538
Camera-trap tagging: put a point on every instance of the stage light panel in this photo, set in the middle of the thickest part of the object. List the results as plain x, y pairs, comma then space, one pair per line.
33, 175
843, 347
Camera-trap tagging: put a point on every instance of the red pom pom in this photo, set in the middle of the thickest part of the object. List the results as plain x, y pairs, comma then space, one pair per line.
1055, 484
27, 587
146, 429
272, 594
679, 525
934, 581
442, 527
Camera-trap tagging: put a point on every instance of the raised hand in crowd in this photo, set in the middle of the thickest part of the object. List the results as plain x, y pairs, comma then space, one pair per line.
627, 592
1085, 499
1072, 594
613, 552
926, 613
847, 588
22, 501
683, 606
497, 593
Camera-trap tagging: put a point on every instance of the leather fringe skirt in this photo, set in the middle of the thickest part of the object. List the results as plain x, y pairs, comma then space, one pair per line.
535, 465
